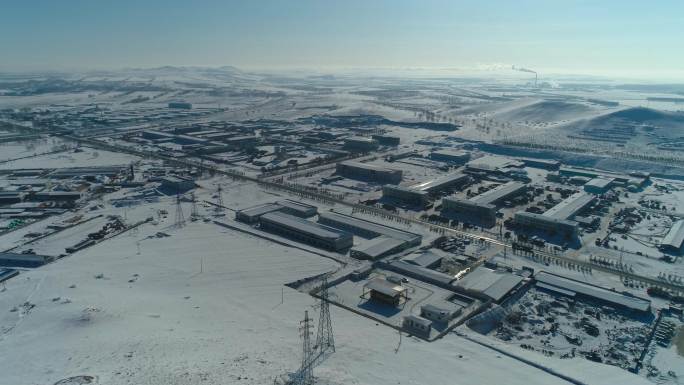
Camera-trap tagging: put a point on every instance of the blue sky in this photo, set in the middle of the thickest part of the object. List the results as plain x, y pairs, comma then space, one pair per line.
644, 38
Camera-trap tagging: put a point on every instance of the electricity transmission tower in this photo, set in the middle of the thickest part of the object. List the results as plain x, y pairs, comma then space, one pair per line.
304, 375
325, 342
180, 218
194, 213
219, 199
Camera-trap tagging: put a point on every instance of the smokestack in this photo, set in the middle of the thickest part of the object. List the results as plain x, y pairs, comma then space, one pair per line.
521, 69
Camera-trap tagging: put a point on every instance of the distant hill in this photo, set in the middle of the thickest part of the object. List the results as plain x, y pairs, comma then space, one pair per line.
546, 111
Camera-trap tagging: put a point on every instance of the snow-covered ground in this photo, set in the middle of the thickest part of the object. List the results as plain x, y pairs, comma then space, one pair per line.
204, 306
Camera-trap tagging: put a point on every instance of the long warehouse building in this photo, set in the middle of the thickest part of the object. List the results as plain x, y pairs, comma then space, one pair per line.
558, 219
482, 208
368, 172
674, 240
419, 194
306, 231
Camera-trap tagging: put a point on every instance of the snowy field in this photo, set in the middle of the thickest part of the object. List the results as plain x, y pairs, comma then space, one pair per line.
176, 315
85, 157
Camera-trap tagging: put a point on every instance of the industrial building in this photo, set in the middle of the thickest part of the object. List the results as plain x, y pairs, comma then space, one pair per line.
599, 185
427, 259
434, 186
635, 180
368, 172
573, 288
405, 195
297, 209
251, 215
488, 284
381, 290
438, 314
360, 144
180, 105
23, 260
67, 173
482, 208
376, 248
421, 273
174, 184
368, 229
450, 156
54, 196
493, 164
386, 140
418, 325
306, 231
674, 240
545, 164
558, 219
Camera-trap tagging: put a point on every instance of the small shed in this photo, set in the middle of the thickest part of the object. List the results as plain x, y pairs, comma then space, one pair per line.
437, 314
417, 325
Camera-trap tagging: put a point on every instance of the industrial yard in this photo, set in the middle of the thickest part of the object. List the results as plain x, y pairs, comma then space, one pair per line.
202, 227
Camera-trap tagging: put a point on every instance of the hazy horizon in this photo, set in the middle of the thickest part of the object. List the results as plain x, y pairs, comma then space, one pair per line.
614, 38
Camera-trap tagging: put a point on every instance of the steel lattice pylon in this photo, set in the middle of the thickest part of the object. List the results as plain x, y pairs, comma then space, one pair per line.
325, 341
304, 375
180, 218
219, 199
194, 213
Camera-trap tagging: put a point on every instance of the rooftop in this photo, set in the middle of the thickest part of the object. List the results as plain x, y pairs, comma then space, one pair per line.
675, 237
371, 226
304, 226
598, 292
378, 246
497, 193
570, 206
437, 183
385, 287
492, 283
367, 166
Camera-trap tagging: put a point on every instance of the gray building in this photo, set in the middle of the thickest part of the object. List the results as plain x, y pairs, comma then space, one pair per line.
176, 184
482, 208
405, 195
438, 314
558, 219
674, 240
298, 209
417, 325
360, 144
436, 185
573, 288
377, 248
305, 231
251, 215
450, 156
598, 185
368, 172
24, 260
368, 229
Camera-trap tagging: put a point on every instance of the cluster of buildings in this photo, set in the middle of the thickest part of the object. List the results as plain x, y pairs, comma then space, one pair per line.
29, 194
332, 231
